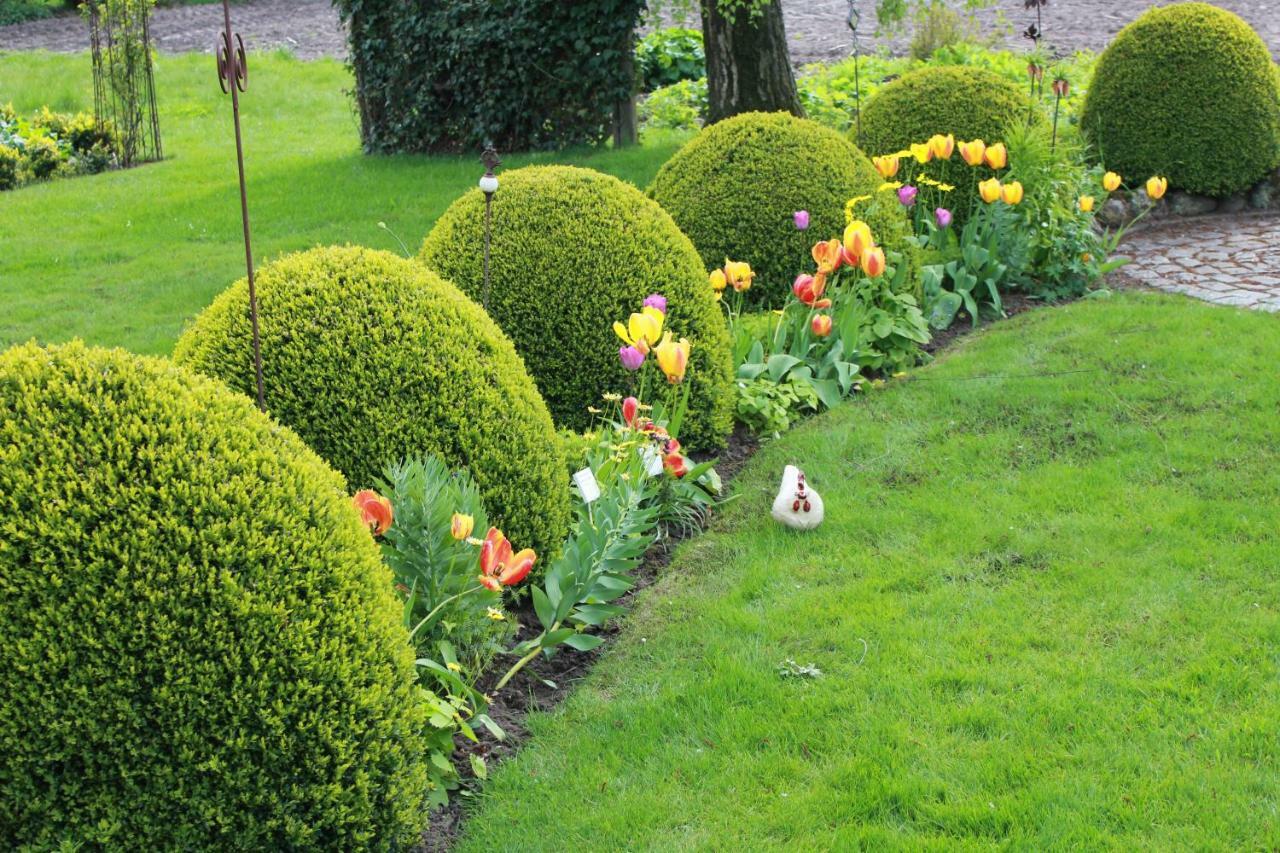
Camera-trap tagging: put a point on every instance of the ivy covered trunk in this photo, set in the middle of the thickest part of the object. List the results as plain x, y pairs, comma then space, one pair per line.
748, 66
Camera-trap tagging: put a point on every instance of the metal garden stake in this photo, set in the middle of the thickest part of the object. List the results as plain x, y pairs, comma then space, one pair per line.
233, 75
488, 186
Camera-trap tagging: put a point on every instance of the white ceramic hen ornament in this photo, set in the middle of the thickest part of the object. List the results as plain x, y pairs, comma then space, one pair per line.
797, 505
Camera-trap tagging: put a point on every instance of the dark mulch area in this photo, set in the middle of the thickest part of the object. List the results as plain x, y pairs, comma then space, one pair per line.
544, 683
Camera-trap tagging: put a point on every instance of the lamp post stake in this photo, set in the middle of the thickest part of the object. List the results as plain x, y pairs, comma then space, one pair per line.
488, 186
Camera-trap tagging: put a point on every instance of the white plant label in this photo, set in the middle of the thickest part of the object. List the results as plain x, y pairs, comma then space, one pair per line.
652, 460
587, 485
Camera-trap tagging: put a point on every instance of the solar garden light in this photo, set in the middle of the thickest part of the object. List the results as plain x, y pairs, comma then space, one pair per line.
488, 186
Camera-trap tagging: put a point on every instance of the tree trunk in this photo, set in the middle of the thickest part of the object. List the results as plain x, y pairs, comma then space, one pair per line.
748, 66
626, 129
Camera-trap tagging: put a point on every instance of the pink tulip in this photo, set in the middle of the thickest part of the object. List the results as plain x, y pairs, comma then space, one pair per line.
631, 358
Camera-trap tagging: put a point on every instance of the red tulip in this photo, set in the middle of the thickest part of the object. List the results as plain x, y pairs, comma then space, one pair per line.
675, 465
630, 408
498, 566
375, 510
821, 325
809, 289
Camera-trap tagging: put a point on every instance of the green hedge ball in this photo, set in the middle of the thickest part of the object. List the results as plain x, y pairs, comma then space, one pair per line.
1188, 92
572, 252
371, 358
735, 187
202, 646
970, 103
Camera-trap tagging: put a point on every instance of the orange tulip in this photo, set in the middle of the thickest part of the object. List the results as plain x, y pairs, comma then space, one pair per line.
942, 146
1157, 187
498, 566
1011, 192
887, 165
1111, 182
857, 239
809, 289
873, 261
375, 510
827, 255
973, 152
997, 156
821, 325
989, 190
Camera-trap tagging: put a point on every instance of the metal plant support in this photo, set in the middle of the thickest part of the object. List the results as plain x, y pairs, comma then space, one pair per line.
853, 20
233, 77
488, 186
124, 93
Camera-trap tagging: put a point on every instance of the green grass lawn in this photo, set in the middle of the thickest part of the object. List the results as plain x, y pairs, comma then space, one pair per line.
125, 258
1060, 545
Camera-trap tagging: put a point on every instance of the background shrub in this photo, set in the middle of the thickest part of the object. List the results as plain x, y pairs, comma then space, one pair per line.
449, 74
10, 160
573, 251
1188, 92
971, 103
664, 57
372, 359
735, 186
202, 648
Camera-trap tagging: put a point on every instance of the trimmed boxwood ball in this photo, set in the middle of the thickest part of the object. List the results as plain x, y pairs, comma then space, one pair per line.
202, 649
372, 358
573, 251
971, 103
1188, 92
735, 187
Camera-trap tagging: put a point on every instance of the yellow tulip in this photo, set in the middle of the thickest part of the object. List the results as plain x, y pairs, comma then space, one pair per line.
973, 152
873, 261
1086, 203
1111, 182
460, 526
1157, 187
997, 156
642, 330
857, 238
922, 152
719, 281
739, 274
887, 165
673, 357
942, 146
1011, 192
989, 190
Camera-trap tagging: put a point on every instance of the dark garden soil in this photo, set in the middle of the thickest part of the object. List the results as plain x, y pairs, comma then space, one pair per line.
816, 29
544, 683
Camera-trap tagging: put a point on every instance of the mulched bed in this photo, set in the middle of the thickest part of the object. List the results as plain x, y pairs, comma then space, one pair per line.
544, 683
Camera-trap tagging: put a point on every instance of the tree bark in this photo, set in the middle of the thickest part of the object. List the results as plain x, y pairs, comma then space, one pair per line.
626, 129
748, 65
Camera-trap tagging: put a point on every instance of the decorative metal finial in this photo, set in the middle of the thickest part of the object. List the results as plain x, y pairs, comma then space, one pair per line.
488, 186
233, 77
853, 21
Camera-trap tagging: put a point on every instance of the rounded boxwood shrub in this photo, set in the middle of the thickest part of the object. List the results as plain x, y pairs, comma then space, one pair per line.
573, 251
970, 103
202, 646
1188, 92
372, 359
735, 187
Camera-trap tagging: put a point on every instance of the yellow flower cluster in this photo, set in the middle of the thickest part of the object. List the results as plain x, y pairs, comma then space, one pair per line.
1156, 188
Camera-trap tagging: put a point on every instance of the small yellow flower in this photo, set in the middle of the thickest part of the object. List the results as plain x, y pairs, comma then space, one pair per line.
454, 666
1086, 203
611, 397
495, 614
1111, 182
946, 188
889, 185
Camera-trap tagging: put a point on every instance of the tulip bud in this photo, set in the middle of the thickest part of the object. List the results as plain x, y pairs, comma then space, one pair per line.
1086, 203
630, 407
631, 358
1157, 187
801, 218
656, 301
943, 217
718, 280
1111, 182
997, 156
873, 261
460, 526
821, 325
907, 195
1011, 192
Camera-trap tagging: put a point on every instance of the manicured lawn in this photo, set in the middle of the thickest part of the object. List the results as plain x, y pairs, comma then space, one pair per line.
126, 258
1060, 546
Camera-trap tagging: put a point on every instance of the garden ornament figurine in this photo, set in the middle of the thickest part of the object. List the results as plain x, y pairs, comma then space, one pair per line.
797, 505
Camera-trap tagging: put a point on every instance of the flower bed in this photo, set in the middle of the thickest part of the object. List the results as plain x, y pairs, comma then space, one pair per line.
51, 145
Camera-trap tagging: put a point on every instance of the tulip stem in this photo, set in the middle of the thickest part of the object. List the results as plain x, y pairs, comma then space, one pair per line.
425, 619
1053, 146
520, 664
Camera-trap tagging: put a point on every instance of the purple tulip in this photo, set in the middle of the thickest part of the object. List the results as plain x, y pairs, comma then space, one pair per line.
943, 217
907, 195
631, 358
656, 300
802, 220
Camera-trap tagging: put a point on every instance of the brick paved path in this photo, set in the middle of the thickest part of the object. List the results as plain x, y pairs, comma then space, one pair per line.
1227, 260
815, 28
